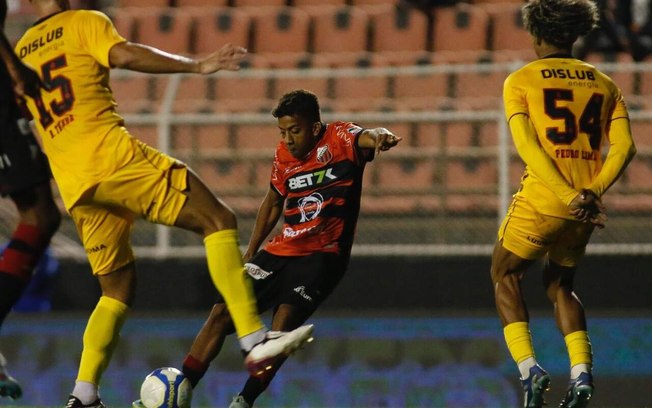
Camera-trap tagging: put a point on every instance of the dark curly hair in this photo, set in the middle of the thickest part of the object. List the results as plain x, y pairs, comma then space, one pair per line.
560, 22
300, 103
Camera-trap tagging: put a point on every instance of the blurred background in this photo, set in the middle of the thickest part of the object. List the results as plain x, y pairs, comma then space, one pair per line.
413, 322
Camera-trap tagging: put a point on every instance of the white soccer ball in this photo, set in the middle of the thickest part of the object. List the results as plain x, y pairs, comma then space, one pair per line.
166, 387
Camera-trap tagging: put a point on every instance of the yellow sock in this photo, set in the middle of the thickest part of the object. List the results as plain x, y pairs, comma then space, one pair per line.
100, 338
519, 341
229, 276
579, 348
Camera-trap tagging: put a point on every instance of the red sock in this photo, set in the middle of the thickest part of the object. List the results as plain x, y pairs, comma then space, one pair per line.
23, 251
194, 369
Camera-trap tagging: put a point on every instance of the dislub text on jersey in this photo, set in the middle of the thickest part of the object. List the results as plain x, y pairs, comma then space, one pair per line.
562, 73
41, 41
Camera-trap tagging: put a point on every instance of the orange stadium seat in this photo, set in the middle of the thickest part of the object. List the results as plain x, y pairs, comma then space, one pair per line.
415, 88
507, 31
138, 93
339, 29
193, 94
259, 3
225, 176
479, 84
165, 28
196, 138
471, 173
406, 175
626, 80
145, 133
360, 93
258, 136
320, 86
124, 22
236, 93
144, 3
397, 30
462, 27
281, 35
201, 3
638, 175
372, 2
311, 3
216, 26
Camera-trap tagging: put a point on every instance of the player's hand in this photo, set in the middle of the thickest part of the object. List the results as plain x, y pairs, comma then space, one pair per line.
587, 207
385, 140
228, 57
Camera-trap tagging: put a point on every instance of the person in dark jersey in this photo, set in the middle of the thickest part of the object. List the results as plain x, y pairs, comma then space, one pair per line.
25, 179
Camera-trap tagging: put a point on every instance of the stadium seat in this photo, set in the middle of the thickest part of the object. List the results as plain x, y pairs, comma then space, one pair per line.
320, 86
145, 133
195, 138
628, 81
238, 93
124, 22
281, 35
462, 27
355, 59
259, 3
137, 93
225, 176
201, 3
258, 136
143, 3
339, 29
396, 174
471, 173
193, 94
312, 3
407, 86
638, 175
398, 30
507, 31
479, 84
165, 28
361, 93
216, 26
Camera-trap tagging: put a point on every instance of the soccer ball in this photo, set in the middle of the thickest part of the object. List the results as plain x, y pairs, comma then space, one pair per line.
166, 387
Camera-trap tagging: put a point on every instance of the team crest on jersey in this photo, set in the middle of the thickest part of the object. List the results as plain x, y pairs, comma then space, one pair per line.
310, 206
324, 155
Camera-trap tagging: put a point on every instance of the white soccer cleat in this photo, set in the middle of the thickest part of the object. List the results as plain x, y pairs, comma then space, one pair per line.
277, 344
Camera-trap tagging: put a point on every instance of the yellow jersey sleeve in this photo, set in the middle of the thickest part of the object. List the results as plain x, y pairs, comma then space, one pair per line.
97, 35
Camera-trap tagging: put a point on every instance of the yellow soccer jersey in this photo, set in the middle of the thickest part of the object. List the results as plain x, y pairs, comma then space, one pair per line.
569, 105
81, 132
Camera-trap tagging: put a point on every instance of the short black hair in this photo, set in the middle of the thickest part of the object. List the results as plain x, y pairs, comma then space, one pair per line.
560, 22
298, 103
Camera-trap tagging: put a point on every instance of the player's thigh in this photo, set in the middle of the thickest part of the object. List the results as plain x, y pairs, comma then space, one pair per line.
151, 186
527, 233
310, 279
571, 244
22, 163
203, 211
105, 236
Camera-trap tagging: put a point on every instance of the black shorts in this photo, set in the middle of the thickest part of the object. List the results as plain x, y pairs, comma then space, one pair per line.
301, 281
22, 163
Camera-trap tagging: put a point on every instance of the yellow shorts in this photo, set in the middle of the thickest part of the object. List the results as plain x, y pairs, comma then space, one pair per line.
151, 186
531, 235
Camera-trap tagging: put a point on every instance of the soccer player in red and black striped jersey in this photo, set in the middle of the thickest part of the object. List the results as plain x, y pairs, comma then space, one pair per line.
316, 183
25, 179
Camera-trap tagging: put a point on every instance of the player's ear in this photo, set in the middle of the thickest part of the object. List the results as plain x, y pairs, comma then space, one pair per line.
316, 128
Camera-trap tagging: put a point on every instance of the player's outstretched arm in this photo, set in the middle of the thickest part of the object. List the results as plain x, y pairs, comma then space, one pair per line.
143, 58
379, 139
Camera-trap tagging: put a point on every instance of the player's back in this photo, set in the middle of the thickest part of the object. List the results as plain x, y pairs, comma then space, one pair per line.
76, 119
570, 104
